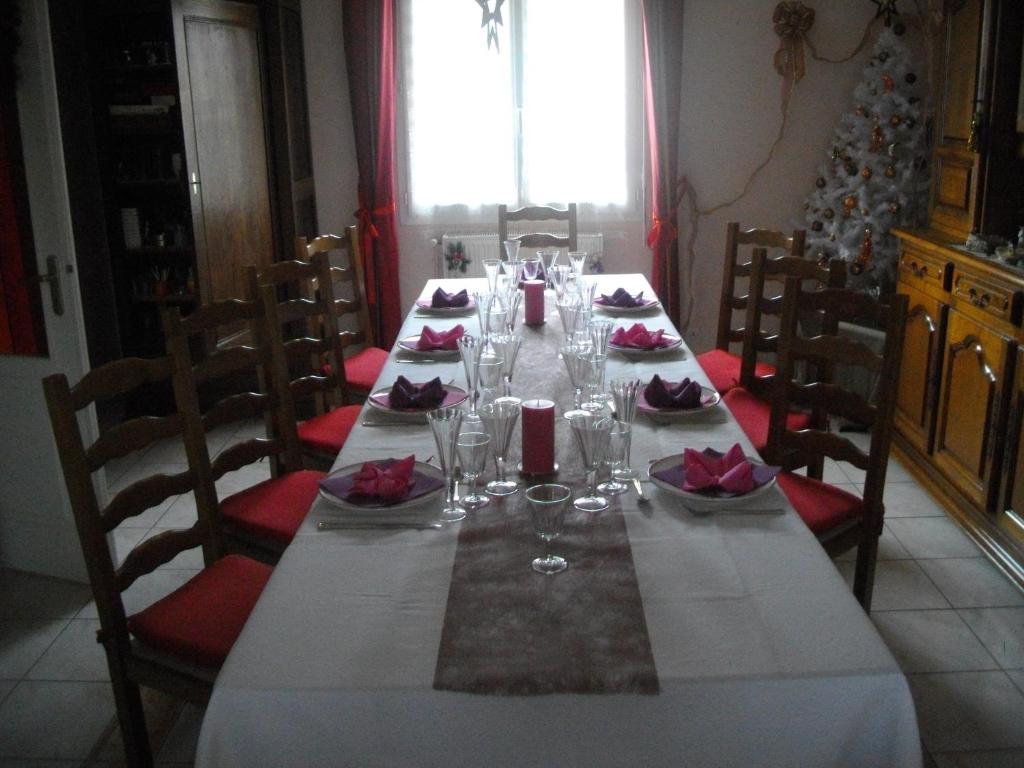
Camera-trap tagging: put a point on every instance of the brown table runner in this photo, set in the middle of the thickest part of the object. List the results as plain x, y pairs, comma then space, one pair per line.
511, 631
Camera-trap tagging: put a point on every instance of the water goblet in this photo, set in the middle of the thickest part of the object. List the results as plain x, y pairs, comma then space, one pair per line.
472, 450
491, 269
547, 509
624, 397
578, 260
445, 424
618, 449
590, 431
470, 348
499, 419
532, 266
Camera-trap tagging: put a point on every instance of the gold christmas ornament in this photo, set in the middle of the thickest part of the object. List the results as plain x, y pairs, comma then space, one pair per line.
895, 121
890, 171
877, 138
850, 201
888, 83
828, 213
865, 173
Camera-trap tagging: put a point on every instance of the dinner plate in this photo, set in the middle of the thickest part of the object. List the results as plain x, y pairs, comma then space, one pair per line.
423, 468
705, 501
709, 398
423, 305
674, 343
379, 400
408, 344
647, 304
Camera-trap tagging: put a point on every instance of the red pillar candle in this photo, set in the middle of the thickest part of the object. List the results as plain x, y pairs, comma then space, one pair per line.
534, 297
538, 437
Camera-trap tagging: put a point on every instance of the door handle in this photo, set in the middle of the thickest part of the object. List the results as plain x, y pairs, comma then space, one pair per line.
51, 276
195, 183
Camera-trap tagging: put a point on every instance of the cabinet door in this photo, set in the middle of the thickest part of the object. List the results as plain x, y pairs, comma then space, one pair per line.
220, 72
919, 371
972, 400
1010, 517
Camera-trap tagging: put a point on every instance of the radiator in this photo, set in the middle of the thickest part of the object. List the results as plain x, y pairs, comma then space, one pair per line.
481, 245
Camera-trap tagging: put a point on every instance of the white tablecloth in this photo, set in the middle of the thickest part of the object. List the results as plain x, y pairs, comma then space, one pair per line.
763, 656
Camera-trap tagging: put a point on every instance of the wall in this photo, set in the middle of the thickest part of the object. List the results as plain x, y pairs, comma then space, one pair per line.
731, 117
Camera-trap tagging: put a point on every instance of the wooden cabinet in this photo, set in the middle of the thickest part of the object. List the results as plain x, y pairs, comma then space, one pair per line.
1010, 512
922, 359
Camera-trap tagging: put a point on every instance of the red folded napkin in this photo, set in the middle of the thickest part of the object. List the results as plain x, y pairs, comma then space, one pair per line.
731, 472
373, 481
623, 299
431, 339
665, 394
638, 337
405, 394
442, 299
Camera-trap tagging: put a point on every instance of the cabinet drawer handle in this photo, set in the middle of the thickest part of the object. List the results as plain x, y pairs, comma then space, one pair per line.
917, 271
978, 300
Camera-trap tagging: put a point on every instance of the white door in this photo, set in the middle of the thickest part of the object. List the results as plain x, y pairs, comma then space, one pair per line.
37, 530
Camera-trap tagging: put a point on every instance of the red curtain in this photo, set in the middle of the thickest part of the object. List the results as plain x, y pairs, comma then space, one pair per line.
663, 69
20, 329
369, 34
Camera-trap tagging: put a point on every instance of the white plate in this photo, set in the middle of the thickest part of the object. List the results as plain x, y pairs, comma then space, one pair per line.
423, 306
402, 506
709, 398
408, 344
674, 343
702, 501
453, 396
626, 310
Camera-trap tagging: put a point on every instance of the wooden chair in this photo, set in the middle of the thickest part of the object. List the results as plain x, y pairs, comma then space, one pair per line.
538, 239
722, 366
177, 644
838, 518
262, 519
304, 373
750, 401
363, 368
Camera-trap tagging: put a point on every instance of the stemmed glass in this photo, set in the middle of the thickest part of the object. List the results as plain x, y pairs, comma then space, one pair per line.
532, 266
578, 259
490, 368
507, 346
624, 397
471, 347
593, 375
483, 306
600, 334
548, 257
576, 363
472, 450
618, 450
445, 424
547, 509
491, 269
499, 420
591, 432
512, 250
559, 277
575, 315
510, 301
586, 288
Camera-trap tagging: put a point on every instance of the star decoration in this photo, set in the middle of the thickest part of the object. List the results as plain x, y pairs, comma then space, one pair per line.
886, 10
491, 20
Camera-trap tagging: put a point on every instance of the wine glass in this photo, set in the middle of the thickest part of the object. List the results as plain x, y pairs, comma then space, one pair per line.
591, 431
499, 419
496, 318
470, 348
578, 260
624, 397
472, 450
491, 269
512, 250
483, 306
507, 346
593, 375
547, 509
490, 372
600, 333
575, 358
532, 266
618, 449
559, 276
511, 302
445, 424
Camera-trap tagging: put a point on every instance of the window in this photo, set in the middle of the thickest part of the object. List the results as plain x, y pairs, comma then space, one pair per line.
553, 115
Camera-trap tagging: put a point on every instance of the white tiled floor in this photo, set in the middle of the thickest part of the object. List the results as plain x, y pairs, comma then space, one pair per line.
953, 621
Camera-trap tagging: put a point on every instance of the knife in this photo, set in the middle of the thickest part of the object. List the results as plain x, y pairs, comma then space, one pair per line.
339, 525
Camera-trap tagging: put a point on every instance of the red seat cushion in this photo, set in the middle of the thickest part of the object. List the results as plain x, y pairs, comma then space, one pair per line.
821, 506
723, 368
363, 368
753, 415
275, 508
329, 431
199, 621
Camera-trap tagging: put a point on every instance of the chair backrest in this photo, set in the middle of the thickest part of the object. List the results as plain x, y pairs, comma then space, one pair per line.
224, 380
93, 519
314, 360
763, 271
828, 350
734, 268
538, 213
352, 275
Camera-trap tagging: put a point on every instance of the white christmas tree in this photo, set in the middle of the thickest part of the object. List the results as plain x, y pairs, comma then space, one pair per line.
876, 177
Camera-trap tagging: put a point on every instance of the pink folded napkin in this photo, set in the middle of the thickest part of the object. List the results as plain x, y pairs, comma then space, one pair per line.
386, 483
666, 394
442, 298
622, 298
638, 337
431, 339
405, 394
731, 472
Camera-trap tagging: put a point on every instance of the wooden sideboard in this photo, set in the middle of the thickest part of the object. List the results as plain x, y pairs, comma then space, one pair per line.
961, 388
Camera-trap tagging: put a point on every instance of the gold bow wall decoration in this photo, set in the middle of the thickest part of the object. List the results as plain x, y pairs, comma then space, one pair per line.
792, 21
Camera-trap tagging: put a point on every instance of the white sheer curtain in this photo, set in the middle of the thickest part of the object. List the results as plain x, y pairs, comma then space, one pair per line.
564, 70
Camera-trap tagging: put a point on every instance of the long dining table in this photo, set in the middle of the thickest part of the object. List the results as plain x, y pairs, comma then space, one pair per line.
674, 638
